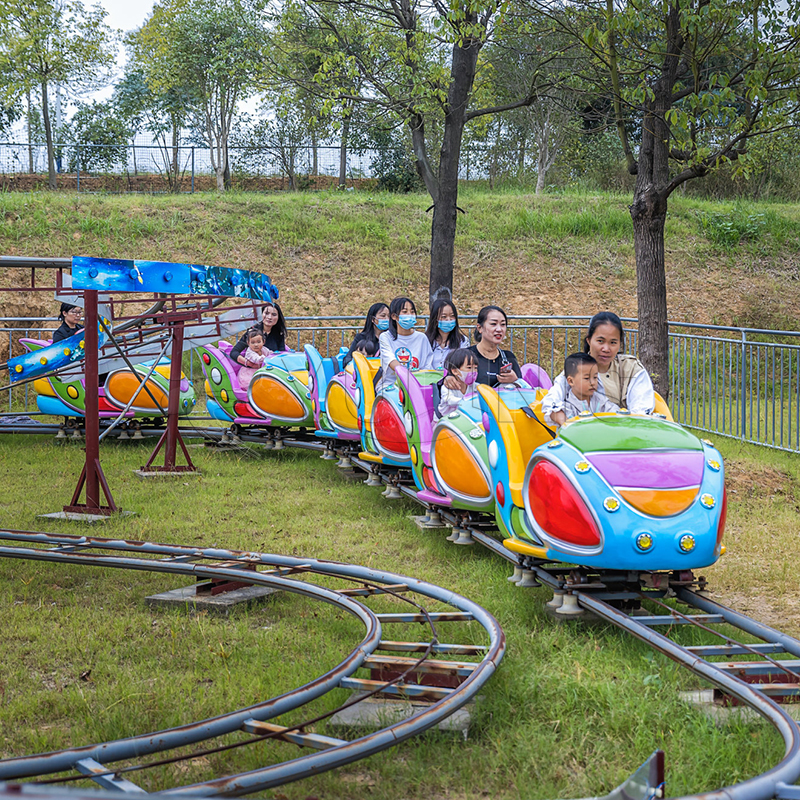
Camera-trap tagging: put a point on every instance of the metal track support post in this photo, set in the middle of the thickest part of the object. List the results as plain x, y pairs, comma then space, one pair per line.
91, 478
171, 437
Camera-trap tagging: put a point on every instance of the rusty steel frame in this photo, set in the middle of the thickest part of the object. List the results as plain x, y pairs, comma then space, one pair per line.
176, 559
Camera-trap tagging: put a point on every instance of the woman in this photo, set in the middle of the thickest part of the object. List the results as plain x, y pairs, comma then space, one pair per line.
495, 366
623, 378
70, 317
443, 332
272, 325
401, 344
375, 324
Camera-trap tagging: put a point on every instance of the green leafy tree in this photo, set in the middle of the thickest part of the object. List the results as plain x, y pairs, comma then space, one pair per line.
102, 137
696, 81
210, 50
162, 114
43, 42
418, 63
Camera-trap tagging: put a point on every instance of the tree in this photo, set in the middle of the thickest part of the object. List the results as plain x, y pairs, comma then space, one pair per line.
211, 50
102, 137
53, 41
698, 80
163, 114
418, 62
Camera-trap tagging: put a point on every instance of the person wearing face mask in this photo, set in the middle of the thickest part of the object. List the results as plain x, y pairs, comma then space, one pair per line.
443, 332
375, 324
401, 344
272, 325
462, 366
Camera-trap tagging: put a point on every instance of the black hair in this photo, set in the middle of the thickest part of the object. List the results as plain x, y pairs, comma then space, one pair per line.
457, 358
396, 307
369, 347
604, 318
455, 336
280, 324
482, 315
66, 307
251, 332
374, 310
574, 362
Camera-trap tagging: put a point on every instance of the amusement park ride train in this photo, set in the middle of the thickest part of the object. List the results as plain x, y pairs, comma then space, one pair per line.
623, 492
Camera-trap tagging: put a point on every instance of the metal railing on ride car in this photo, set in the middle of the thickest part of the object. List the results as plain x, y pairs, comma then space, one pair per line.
742, 383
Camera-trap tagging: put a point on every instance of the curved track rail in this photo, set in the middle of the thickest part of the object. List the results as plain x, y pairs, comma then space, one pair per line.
769, 668
282, 572
764, 672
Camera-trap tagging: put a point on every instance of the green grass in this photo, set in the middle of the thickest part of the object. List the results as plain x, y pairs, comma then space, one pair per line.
571, 712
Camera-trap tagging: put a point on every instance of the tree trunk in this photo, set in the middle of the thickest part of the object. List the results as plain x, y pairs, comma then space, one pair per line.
133, 150
649, 214
343, 152
443, 228
48, 135
314, 154
30, 121
174, 186
226, 173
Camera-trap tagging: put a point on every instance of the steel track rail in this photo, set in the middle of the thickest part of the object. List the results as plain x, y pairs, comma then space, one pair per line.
91, 760
775, 782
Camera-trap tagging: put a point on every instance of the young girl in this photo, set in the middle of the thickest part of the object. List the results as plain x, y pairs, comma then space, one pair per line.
401, 344
272, 325
461, 365
253, 357
443, 332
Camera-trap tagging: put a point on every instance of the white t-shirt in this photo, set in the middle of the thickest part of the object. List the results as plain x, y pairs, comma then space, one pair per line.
571, 405
639, 400
413, 351
440, 353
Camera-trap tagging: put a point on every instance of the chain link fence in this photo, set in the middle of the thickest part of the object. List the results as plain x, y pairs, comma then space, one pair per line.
182, 168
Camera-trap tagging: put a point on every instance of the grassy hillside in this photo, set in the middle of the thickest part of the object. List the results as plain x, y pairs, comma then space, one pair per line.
333, 253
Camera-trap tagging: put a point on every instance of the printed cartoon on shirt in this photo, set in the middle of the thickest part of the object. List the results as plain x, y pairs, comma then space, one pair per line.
406, 358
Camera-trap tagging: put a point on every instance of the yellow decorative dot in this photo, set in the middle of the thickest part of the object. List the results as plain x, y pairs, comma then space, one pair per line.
583, 466
644, 541
67, 351
708, 442
414, 456
42, 360
72, 392
81, 345
18, 368
714, 465
611, 504
224, 395
687, 543
708, 501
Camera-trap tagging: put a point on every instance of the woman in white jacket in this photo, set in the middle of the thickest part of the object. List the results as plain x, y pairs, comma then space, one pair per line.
623, 378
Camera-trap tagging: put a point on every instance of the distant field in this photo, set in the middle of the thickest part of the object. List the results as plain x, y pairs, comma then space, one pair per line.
333, 253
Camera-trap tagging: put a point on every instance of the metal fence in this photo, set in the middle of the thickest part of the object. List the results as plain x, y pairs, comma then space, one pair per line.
742, 383
184, 168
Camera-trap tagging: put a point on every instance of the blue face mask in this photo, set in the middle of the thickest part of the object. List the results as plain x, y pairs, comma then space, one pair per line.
407, 321
447, 325
382, 324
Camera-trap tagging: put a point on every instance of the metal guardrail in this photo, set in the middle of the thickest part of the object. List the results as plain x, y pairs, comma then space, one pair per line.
742, 383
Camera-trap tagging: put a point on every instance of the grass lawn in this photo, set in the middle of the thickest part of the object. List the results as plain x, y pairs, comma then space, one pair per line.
573, 709
333, 253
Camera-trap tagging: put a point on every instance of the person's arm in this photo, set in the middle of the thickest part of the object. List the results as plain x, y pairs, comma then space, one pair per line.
641, 398
388, 361
553, 402
237, 350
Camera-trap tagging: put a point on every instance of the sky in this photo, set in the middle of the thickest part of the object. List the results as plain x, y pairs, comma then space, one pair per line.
126, 14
